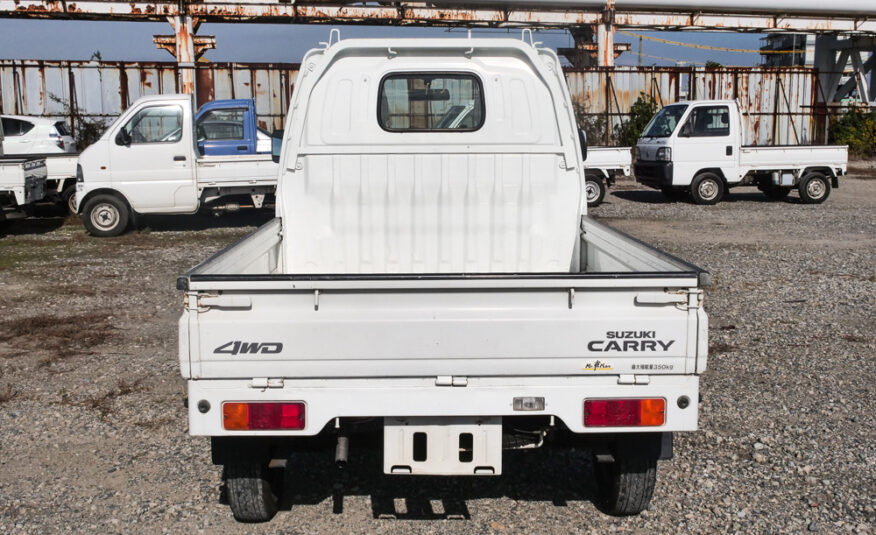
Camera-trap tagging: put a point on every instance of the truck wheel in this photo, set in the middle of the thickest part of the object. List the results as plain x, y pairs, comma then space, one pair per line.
776, 193
707, 188
105, 215
626, 485
672, 193
594, 189
249, 492
814, 188
68, 196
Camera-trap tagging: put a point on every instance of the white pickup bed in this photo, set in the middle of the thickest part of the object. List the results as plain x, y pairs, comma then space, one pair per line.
22, 182
409, 331
609, 158
236, 171
778, 157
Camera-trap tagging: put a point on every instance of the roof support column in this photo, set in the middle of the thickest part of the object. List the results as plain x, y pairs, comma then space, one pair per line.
186, 47
605, 37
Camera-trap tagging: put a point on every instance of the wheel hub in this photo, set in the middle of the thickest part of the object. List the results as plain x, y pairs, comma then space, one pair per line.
708, 189
105, 216
592, 191
815, 188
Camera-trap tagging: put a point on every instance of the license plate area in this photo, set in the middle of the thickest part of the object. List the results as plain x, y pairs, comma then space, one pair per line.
447, 446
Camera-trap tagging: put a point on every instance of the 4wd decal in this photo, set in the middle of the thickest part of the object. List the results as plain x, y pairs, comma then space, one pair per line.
630, 341
251, 348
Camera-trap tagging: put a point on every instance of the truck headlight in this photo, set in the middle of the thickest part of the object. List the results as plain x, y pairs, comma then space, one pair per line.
664, 154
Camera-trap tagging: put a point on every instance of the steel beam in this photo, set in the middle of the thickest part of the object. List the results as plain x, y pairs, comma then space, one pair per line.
411, 13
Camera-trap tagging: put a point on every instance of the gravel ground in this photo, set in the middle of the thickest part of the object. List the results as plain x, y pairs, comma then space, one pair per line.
93, 432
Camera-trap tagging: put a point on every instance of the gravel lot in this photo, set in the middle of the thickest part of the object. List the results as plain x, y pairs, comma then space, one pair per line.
93, 433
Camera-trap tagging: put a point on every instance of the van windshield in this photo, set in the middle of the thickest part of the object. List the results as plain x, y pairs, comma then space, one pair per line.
664, 123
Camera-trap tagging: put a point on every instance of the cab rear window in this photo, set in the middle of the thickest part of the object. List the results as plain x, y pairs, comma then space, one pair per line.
430, 102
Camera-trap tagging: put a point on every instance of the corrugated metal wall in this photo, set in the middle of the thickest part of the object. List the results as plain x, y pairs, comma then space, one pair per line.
780, 102
102, 90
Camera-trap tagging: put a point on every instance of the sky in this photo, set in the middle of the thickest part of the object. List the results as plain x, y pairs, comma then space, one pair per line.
287, 43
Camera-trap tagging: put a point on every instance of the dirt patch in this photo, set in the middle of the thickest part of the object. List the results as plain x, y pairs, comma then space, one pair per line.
75, 333
7, 394
103, 403
718, 348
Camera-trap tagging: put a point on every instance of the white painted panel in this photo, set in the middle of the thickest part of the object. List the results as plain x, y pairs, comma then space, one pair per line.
427, 213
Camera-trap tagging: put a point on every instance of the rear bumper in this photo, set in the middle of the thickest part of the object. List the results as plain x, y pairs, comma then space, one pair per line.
405, 397
653, 174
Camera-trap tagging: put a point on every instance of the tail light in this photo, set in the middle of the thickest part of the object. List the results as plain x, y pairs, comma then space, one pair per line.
262, 416
624, 412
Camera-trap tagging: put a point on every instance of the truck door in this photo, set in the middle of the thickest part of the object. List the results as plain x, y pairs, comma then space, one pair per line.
151, 160
706, 140
225, 132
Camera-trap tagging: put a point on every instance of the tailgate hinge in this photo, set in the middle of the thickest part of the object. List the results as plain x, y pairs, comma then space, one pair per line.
682, 299
264, 382
206, 301
451, 380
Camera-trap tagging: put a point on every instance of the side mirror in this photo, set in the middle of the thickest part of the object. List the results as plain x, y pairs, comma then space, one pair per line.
685, 130
582, 137
123, 138
276, 145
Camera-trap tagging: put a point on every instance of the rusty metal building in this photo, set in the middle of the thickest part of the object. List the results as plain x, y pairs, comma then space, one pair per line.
781, 104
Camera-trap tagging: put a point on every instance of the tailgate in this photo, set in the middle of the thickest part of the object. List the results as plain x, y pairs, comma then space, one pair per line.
236, 170
416, 327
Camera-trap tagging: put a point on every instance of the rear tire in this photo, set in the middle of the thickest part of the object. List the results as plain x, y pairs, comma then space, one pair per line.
105, 216
707, 188
68, 198
594, 189
249, 492
626, 485
814, 188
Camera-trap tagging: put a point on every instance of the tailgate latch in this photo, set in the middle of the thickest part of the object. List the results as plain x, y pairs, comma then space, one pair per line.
264, 382
451, 380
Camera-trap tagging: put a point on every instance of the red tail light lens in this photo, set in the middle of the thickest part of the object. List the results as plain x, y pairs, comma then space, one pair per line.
259, 416
624, 412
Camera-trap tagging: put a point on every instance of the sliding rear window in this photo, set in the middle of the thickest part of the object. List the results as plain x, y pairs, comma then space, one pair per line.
430, 102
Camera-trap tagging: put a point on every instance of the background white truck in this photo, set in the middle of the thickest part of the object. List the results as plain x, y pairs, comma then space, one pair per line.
438, 286
22, 182
696, 147
602, 167
149, 162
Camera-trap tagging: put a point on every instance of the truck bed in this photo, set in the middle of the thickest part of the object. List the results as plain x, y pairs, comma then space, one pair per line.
236, 170
246, 317
782, 157
609, 157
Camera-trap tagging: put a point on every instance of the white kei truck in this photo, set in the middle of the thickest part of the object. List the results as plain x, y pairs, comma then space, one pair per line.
695, 147
439, 289
603, 166
22, 182
149, 162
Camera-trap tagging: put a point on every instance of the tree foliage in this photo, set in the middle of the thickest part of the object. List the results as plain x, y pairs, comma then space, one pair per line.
857, 129
86, 130
643, 109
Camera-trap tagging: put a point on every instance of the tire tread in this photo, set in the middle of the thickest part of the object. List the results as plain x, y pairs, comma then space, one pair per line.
249, 492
